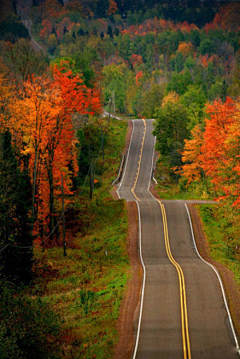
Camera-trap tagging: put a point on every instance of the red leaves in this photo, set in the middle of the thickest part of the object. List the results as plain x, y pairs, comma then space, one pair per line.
41, 124
216, 152
76, 96
216, 131
138, 77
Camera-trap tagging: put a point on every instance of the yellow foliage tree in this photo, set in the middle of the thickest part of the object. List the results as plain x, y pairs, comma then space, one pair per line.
171, 97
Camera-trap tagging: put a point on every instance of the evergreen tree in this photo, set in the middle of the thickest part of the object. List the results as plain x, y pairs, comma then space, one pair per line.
116, 31
15, 194
109, 31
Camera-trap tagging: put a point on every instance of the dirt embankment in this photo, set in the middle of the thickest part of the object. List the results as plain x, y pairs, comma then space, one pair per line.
125, 328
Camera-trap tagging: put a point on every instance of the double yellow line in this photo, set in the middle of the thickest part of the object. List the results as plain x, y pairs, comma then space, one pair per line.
183, 300
139, 162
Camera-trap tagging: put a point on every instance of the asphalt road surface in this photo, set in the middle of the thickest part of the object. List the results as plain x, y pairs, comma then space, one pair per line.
182, 312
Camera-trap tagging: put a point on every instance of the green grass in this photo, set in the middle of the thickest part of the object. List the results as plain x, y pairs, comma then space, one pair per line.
170, 189
87, 286
221, 236
174, 191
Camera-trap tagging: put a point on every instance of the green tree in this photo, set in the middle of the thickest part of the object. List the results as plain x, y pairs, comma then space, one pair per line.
176, 62
15, 204
152, 99
218, 90
170, 130
116, 80
194, 100
109, 31
12, 30
179, 82
29, 328
207, 46
123, 46
194, 37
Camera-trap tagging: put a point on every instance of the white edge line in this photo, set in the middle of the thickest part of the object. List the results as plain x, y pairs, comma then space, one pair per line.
143, 284
155, 180
220, 281
140, 253
150, 178
142, 263
125, 166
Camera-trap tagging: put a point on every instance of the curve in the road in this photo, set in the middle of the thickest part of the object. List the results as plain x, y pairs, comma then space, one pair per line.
158, 330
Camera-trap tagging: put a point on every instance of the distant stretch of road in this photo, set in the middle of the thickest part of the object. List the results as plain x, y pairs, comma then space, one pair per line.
182, 311
35, 45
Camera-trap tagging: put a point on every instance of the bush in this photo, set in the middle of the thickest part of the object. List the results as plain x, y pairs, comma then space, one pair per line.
27, 326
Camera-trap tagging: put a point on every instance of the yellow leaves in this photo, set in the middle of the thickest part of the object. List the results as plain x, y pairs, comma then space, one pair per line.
171, 97
5, 92
190, 156
27, 151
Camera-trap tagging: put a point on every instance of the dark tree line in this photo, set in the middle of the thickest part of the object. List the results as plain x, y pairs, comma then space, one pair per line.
15, 202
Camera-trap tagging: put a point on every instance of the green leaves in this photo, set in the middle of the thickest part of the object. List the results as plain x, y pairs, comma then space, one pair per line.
171, 130
28, 326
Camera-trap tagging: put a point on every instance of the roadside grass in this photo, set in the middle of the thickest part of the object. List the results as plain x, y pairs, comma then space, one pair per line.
222, 237
170, 189
86, 287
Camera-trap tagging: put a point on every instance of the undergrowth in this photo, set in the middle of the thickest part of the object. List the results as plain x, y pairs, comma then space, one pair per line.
221, 227
171, 187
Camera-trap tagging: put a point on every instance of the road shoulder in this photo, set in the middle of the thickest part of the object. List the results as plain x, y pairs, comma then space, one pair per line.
125, 327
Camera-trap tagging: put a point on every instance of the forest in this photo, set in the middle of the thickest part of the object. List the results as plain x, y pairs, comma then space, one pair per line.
175, 61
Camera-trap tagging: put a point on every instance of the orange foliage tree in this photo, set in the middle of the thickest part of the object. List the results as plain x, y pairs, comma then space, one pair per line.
42, 128
112, 7
192, 168
213, 149
186, 48
216, 151
46, 28
51, 8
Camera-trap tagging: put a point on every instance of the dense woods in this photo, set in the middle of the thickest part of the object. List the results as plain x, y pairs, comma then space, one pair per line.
175, 61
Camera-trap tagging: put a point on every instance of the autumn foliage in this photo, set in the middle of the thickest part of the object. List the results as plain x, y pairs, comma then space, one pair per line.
215, 153
40, 121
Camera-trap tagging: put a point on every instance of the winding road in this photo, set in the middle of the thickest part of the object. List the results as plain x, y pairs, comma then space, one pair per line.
28, 24
182, 312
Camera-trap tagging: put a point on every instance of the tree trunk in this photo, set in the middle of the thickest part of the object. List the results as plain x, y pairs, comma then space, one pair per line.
34, 186
51, 196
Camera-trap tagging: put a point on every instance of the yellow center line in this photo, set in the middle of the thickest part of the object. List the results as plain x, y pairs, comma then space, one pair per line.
182, 287
183, 299
139, 162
